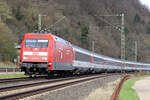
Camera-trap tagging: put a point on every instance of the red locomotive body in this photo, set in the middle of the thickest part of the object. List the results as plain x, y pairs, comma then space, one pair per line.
43, 53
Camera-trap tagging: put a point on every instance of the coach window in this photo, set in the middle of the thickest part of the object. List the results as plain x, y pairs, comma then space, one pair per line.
98, 60
119, 64
83, 57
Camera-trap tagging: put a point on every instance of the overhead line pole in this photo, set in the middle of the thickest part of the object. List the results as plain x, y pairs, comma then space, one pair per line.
122, 38
93, 46
39, 22
120, 29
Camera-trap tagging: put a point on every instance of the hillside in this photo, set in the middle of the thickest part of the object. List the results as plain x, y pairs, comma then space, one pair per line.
84, 22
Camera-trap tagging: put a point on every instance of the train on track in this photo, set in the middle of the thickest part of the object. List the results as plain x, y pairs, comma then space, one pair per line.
45, 53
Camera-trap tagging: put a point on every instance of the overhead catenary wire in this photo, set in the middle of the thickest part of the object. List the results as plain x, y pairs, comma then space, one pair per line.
56, 22
102, 19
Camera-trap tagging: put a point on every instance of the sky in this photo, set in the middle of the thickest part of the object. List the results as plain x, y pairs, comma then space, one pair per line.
146, 3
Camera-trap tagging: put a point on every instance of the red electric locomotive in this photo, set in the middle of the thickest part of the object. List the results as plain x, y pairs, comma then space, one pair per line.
45, 53
48, 54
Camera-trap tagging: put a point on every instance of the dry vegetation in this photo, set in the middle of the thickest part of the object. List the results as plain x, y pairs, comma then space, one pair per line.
103, 93
83, 23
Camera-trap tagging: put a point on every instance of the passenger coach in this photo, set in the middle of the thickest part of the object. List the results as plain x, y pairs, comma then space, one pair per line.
49, 54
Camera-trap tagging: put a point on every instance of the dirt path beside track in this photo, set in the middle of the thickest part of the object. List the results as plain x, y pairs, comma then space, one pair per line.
142, 88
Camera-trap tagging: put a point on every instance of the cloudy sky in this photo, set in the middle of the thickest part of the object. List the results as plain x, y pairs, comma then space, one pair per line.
146, 3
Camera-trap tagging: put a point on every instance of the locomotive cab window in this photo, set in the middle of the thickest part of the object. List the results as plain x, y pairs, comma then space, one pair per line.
42, 43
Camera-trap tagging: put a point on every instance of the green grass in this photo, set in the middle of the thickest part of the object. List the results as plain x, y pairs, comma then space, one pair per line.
127, 93
4, 76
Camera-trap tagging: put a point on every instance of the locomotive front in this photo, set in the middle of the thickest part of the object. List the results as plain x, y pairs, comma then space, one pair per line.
36, 53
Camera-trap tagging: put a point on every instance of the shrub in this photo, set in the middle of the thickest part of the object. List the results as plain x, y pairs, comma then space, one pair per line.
5, 13
137, 19
148, 30
84, 34
7, 47
126, 30
18, 13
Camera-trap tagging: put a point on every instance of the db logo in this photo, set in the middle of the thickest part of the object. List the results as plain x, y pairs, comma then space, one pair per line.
35, 49
35, 53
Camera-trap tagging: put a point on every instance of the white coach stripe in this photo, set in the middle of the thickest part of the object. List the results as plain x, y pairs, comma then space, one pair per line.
42, 53
27, 53
37, 53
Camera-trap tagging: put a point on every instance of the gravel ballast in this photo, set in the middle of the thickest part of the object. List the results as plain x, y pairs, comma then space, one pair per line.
76, 92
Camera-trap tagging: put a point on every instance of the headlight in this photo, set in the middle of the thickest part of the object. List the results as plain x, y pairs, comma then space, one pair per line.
44, 58
25, 58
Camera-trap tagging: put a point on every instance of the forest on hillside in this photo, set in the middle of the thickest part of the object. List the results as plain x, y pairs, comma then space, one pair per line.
84, 22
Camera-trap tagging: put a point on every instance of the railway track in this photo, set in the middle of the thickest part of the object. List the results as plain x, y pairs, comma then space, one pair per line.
11, 80
40, 87
9, 88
